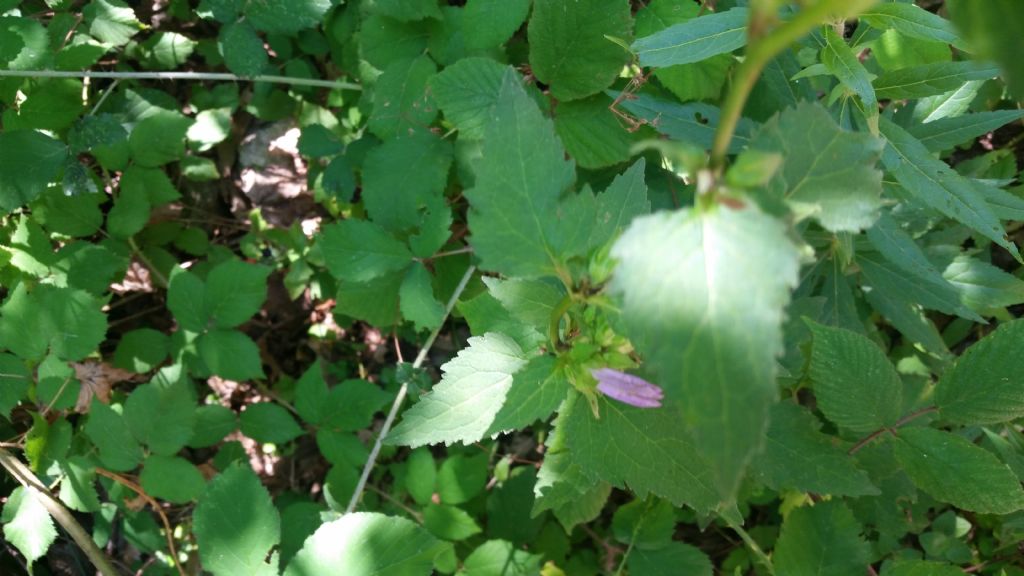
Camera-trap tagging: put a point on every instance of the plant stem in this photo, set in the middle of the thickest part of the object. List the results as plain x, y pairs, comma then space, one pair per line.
754, 548
759, 52
28, 479
192, 76
400, 397
892, 430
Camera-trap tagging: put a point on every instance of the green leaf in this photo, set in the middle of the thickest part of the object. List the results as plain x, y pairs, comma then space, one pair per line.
463, 406
269, 423
367, 544
375, 301
501, 558
983, 387
930, 79
536, 392
242, 49
569, 50
530, 301
78, 215
235, 291
213, 422
468, 90
236, 525
230, 354
417, 301
130, 213
119, 451
623, 200
644, 524
674, 558
912, 21
490, 23
27, 524
826, 171
982, 286
562, 485
854, 383
286, 16
311, 394
461, 478
449, 522
920, 568
821, 540
28, 48
710, 342
593, 135
186, 299
67, 322
29, 161
15, 378
141, 350
397, 199
351, 405
840, 60
401, 101
994, 29
318, 141
935, 184
162, 416
798, 457
358, 250
77, 487
173, 479
694, 40
952, 469
159, 139
946, 133
695, 122
420, 475
111, 21
484, 313
384, 40
404, 10
644, 450
519, 181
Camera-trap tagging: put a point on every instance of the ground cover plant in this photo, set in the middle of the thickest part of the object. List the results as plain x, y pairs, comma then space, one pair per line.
511, 288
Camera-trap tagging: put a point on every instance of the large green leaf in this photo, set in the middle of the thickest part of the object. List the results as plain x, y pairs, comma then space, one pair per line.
396, 199
401, 101
826, 171
569, 50
675, 558
930, 79
537, 390
644, 450
230, 354
69, 323
694, 122
821, 540
27, 524
172, 479
162, 415
952, 469
694, 40
358, 250
519, 181
29, 161
489, 23
840, 60
623, 200
593, 135
118, 449
934, 183
948, 132
798, 457
709, 338
912, 21
367, 544
286, 16
463, 406
994, 29
985, 385
236, 525
854, 383
467, 91
235, 290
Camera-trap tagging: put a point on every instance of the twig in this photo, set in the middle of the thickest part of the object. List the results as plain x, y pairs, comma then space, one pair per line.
152, 504
26, 478
400, 397
193, 76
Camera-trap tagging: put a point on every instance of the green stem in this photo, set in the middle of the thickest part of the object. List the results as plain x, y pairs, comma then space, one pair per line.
400, 397
556, 321
760, 51
754, 548
26, 478
193, 76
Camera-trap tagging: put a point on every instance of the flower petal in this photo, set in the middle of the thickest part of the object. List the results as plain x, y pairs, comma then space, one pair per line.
627, 388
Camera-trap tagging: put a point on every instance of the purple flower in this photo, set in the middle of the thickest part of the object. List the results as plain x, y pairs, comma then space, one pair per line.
627, 388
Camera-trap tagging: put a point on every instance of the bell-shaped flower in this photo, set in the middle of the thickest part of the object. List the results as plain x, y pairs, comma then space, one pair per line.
627, 388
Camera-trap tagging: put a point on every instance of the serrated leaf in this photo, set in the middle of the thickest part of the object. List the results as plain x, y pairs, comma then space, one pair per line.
172, 479
235, 291
982, 286
401, 101
242, 49
69, 323
498, 557
854, 383
623, 200
417, 301
162, 416
681, 277
462, 407
946, 133
404, 10
449, 522
383, 40
397, 199
111, 21
912, 21
644, 450
367, 544
821, 540
286, 16
529, 301
984, 386
27, 524
15, 378
519, 181
694, 122
920, 568
797, 456
930, 79
694, 40
213, 422
935, 184
375, 301
593, 135
675, 558
467, 91
186, 299
29, 161
569, 50
840, 60
119, 451
236, 525
159, 139
267, 422
994, 29
230, 354
490, 23
952, 469
359, 251
536, 392
825, 170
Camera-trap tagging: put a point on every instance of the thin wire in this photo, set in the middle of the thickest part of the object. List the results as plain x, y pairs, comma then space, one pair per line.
420, 358
199, 76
